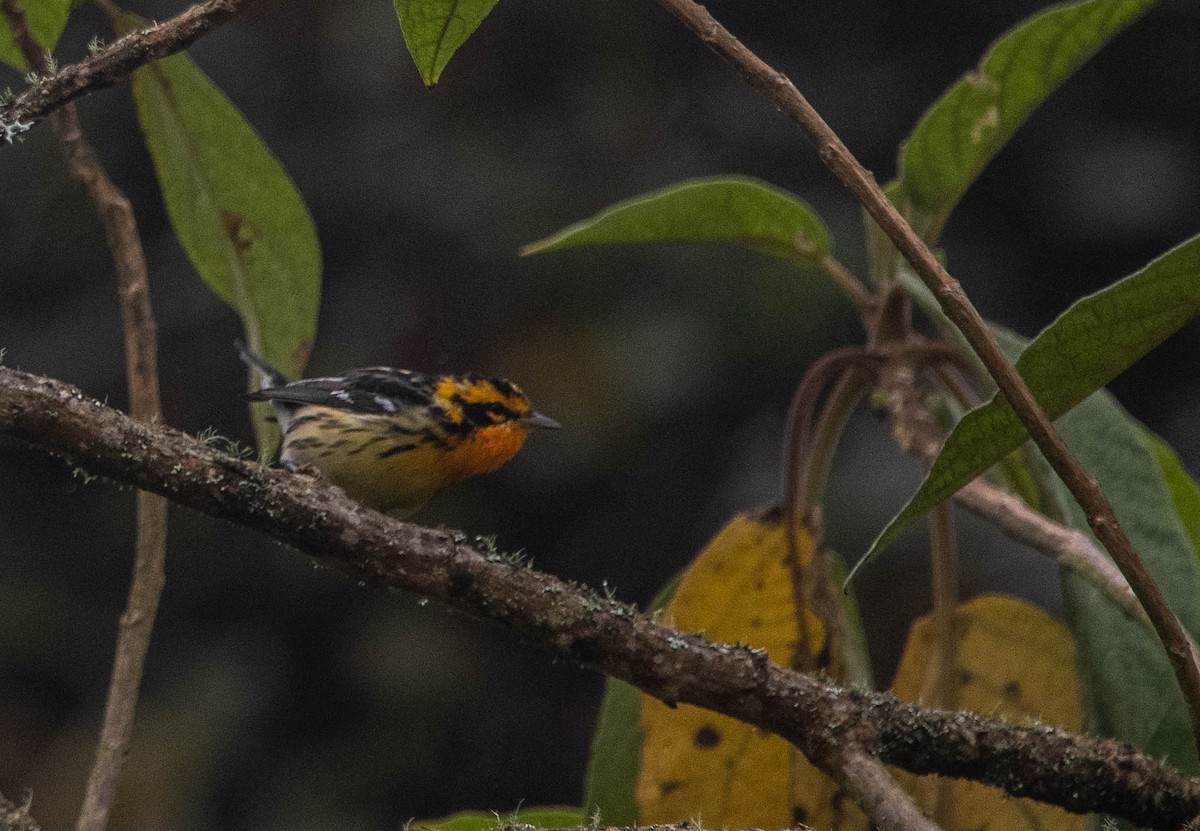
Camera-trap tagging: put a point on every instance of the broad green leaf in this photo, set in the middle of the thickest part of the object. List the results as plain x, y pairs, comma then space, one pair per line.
967, 126
1080, 352
45, 19
723, 208
235, 211
551, 817
1185, 493
1150, 712
435, 29
1014, 662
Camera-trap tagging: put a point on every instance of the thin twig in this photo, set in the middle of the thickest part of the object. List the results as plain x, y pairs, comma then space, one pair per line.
111, 65
944, 560
834, 153
141, 366
1069, 547
15, 817
1078, 773
943, 555
880, 796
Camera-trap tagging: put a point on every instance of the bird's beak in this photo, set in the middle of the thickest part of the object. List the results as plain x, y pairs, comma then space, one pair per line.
539, 420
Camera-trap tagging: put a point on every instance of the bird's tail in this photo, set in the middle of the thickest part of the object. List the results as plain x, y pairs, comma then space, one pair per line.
268, 376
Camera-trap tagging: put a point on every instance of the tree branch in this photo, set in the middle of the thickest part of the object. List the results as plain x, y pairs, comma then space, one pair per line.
1078, 773
112, 64
779, 90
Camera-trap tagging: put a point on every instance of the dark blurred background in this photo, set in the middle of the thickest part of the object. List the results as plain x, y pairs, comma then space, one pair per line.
280, 694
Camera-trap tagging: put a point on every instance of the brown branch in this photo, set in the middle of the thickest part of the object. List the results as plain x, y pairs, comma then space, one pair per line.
1075, 772
778, 89
514, 823
876, 792
141, 366
110, 65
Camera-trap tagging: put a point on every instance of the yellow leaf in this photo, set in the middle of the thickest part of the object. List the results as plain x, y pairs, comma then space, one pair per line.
1013, 661
699, 765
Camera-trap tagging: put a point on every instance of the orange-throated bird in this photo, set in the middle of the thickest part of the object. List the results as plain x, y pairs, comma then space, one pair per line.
392, 438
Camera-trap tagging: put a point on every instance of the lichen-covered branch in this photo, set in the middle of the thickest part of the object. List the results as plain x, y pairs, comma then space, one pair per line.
112, 64
1076, 772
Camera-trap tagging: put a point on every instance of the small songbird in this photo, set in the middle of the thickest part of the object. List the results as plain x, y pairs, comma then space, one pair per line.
391, 438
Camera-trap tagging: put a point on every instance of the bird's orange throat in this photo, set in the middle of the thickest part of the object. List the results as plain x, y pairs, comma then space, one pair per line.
483, 451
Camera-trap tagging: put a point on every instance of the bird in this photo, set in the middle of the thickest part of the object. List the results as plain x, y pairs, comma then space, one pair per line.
392, 438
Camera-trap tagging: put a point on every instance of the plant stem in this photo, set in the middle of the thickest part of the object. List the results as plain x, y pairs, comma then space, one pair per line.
807, 457
834, 153
943, 556
862, 299
141, 366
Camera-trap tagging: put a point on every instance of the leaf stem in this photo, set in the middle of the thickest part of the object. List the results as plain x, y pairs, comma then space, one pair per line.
808, 454
780, 91
862, 299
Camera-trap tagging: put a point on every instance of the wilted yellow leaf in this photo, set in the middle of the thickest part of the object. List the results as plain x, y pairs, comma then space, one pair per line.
697, 764
1013, 661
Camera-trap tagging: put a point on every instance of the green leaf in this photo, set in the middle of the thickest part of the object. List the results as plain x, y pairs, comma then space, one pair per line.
1131, 691
551, 817
435, 29
967, 126
1080, 352
616, 756
1185, 493
235, 211
45, 19
722, 208
859, 673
